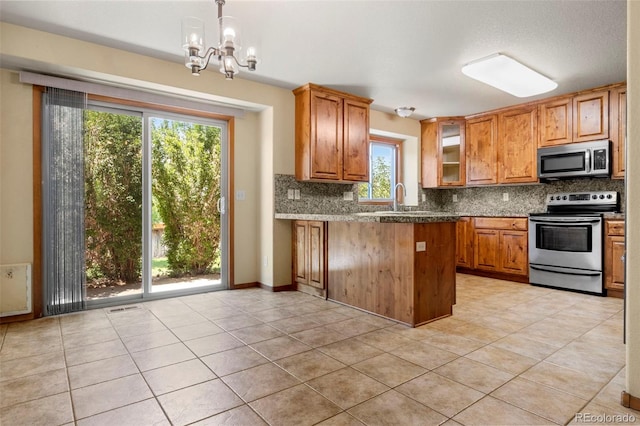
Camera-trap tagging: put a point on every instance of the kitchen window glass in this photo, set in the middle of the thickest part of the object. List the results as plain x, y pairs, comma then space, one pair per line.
384, 171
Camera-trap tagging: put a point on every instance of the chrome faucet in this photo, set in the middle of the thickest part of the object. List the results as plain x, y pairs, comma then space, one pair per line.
395, 195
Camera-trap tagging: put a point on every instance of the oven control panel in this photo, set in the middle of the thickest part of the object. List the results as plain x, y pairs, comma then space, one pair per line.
583, 198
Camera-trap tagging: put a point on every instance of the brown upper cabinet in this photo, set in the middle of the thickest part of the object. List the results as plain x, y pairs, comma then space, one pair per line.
332, 135
580, 118
497, 148
443, 152
618, 130
517, 146
481, 147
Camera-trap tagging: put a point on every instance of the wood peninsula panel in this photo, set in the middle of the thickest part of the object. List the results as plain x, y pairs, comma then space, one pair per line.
374, 266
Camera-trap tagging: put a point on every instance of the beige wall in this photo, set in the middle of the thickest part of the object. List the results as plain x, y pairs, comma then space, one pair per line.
264, 140
633, 199
16, 179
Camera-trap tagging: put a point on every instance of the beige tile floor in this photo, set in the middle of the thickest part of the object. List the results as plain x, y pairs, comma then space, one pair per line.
511, 354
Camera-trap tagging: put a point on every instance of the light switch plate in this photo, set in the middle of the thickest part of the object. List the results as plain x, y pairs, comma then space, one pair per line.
347, 196
421, 246
240, 195
455, 198
424, 198
505, 196
296, 194
290, 194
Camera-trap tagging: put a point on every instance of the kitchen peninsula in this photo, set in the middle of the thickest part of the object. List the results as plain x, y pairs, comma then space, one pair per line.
400, 265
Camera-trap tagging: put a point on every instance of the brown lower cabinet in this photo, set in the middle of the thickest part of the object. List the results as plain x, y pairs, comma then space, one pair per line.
310, 256
614, 251
493, 246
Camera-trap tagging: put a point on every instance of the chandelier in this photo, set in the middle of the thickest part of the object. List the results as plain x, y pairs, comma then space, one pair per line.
227, 52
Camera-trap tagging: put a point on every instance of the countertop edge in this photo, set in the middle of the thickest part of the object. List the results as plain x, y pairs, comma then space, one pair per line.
426, 218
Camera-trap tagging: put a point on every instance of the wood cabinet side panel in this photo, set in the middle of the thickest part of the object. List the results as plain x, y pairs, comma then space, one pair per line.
430, 156
618, 130
435, 271
303, 135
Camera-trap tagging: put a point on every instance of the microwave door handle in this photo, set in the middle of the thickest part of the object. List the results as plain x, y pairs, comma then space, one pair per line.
587, 160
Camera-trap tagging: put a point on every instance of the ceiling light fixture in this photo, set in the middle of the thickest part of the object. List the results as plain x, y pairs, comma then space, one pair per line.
509, 75
404, 112
227, 51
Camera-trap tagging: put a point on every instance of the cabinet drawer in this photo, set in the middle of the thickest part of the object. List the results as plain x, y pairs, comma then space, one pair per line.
615, 227
519, 224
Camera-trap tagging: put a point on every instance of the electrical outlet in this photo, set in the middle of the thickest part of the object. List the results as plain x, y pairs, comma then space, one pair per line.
421, 246
265, 261
290, 194
424, 198
240, 195
455, 198
505, 196
296, 194
347, 196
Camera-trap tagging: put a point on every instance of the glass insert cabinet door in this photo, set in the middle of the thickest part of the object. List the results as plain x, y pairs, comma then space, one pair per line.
451, 136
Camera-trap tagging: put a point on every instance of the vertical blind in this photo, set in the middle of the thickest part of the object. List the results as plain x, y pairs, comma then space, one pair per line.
63, 200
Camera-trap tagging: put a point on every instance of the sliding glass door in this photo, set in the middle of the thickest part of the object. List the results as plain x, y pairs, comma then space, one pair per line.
188, 226
155, 219
113, 199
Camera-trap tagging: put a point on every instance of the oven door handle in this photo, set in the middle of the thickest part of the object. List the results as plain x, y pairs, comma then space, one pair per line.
586, 274
565, 222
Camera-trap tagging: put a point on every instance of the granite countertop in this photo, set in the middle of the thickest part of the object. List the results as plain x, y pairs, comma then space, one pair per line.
382, 217
617, 216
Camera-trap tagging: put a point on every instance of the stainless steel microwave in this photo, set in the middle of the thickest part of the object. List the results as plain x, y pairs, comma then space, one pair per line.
582, 159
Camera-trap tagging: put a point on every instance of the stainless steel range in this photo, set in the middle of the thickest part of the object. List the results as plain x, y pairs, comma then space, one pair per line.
566, 242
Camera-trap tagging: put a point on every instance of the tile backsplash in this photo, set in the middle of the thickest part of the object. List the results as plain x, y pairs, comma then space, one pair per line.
327, 198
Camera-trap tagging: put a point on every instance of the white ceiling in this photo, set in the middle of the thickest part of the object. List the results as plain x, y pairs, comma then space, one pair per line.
396, 52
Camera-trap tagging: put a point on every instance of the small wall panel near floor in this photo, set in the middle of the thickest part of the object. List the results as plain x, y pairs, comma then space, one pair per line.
15, 289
